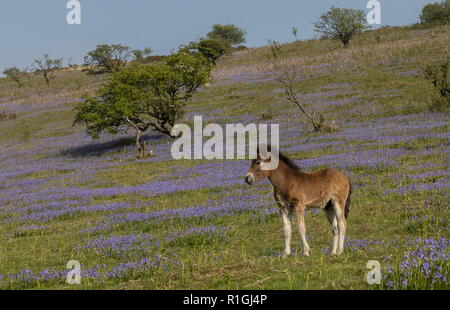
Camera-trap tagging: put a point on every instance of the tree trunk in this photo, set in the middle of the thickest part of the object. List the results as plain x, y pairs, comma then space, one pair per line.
47, 80
140, 147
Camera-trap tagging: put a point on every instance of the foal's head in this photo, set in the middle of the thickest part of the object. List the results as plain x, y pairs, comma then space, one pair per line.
262, 168
255, 173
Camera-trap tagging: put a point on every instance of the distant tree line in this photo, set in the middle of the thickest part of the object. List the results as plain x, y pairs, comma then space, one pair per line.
45, 65
110, 58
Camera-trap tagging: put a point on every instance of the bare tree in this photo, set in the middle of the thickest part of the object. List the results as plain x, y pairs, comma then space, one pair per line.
48, 67
317, 119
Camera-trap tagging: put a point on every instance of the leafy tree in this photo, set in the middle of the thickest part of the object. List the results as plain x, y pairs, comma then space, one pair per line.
144, 96
16, 74
211, 49
341, 24
107, 58
439, 75
48, 67
436, 12
140, 55
230, 35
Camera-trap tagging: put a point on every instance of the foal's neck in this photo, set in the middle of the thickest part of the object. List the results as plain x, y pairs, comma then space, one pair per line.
280, 177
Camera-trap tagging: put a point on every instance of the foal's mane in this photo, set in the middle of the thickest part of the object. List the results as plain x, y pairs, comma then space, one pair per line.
289, 162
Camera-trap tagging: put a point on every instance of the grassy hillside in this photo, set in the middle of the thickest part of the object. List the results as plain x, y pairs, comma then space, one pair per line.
163, 224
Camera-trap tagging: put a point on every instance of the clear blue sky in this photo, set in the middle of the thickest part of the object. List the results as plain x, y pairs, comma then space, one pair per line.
31, 28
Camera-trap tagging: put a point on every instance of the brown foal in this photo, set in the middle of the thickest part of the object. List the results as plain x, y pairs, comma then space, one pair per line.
297, 191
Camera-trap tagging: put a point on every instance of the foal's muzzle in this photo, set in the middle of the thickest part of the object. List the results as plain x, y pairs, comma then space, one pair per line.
249, 179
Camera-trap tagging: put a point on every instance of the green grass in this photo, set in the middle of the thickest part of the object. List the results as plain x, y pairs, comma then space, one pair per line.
245, 256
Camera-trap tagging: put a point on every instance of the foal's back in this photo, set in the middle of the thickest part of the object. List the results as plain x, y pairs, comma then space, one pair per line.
318, 187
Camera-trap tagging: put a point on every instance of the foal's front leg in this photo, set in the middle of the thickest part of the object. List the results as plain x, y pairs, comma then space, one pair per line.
285, 216
300, 210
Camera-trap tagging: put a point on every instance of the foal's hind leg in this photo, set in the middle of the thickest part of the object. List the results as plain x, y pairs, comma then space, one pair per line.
300, 210
341, 224
331, 215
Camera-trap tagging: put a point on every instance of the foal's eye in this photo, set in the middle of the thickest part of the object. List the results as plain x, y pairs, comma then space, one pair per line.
258, 163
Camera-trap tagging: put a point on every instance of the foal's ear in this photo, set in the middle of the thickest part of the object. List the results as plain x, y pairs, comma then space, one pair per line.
267, 149
271, 159
265, 153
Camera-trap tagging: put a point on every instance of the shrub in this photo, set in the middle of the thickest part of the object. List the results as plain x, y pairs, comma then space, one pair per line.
439, 76
275, 48
268, 115
154, 58
240, 48
6, 115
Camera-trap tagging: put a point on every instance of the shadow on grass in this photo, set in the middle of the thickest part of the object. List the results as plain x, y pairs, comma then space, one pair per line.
99, 149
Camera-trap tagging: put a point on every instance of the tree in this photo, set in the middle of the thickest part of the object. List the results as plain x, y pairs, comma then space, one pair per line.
107, 58
211, 49
295, 32
289, 78
436, 12
144, 96
48, 67
230, 35
140, 55
317, 119
341, 24
16, 75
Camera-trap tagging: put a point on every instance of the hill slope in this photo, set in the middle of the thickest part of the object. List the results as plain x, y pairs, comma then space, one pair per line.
164, 224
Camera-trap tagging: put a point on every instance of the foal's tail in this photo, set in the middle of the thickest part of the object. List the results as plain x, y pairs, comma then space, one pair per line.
347, 203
